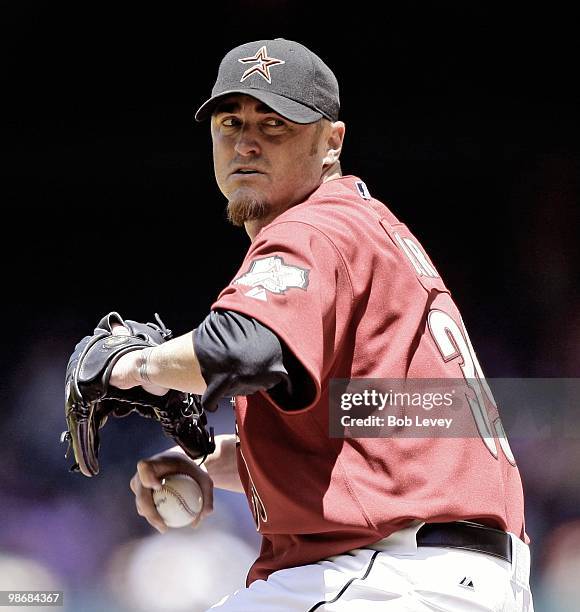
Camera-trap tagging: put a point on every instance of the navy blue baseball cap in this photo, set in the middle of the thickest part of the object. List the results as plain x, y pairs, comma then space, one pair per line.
283, 74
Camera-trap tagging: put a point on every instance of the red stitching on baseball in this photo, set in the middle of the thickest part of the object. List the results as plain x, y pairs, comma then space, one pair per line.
178, 495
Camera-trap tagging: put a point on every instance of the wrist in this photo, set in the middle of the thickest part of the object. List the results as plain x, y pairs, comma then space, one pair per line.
142, 366
145, 371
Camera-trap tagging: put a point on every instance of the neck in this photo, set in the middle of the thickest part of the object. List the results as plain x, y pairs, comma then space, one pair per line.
254, 226
332, 172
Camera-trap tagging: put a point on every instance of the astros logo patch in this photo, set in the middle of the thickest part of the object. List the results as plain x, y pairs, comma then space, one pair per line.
273, 275
262, 66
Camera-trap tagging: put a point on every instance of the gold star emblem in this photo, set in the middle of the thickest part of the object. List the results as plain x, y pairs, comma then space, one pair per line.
263, 64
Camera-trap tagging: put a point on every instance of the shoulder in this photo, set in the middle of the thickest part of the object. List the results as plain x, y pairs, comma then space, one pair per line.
342, 211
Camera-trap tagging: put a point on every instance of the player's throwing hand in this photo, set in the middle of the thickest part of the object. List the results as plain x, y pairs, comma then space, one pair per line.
148, 478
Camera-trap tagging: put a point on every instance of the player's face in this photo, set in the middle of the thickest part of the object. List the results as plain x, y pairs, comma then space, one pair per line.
263, 162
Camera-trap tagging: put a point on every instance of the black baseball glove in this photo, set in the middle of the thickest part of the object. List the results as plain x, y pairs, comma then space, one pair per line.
90, 400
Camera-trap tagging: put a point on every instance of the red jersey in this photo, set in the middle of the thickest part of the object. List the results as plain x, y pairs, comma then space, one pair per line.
352, 294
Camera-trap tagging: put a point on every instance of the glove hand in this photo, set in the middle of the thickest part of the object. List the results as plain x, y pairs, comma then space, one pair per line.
104, 378
125, 373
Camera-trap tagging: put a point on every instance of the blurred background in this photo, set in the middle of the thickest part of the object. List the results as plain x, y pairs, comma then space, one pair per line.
463, 116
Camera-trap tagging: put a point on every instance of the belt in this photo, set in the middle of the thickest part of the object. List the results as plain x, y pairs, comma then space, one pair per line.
467, 536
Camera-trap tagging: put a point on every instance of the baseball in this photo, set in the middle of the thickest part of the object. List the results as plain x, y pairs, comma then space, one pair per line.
179, 500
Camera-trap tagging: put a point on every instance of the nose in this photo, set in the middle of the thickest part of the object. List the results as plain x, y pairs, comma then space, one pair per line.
246, 144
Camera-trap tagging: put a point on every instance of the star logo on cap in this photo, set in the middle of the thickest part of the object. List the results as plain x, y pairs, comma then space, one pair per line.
263, 65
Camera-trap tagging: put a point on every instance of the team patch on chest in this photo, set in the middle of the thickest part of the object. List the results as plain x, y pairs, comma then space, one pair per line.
271, 274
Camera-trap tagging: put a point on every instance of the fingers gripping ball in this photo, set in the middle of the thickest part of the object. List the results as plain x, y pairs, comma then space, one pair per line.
179, 501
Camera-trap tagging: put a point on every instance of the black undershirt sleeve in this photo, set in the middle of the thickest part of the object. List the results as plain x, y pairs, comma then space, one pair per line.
240, 356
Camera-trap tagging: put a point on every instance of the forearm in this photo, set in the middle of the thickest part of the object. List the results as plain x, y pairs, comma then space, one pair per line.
222, 465
172, 365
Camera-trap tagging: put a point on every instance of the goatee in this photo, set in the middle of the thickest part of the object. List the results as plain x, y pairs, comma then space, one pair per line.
246, 209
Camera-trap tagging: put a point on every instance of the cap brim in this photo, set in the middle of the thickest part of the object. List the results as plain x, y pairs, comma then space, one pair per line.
293, 111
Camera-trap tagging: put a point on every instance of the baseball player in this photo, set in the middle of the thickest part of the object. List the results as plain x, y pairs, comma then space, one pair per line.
333, 287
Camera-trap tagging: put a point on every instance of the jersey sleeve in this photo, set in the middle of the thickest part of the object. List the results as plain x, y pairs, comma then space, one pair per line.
294, 281
237, 355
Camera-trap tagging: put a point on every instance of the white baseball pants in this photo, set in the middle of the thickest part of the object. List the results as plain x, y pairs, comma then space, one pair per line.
392, 576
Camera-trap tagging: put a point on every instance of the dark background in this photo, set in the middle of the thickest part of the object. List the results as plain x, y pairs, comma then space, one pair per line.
462, 116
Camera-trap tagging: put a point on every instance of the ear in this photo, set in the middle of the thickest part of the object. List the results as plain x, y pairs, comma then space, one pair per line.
334, 143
